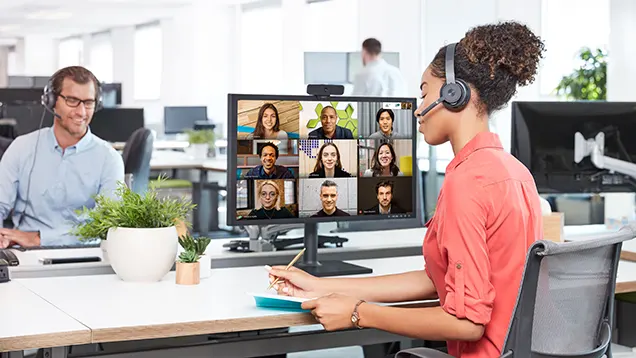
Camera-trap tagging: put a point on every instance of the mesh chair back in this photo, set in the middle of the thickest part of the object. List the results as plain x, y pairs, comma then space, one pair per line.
567, 298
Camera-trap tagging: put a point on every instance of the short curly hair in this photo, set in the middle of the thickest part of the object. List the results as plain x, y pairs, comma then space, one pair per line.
493, 59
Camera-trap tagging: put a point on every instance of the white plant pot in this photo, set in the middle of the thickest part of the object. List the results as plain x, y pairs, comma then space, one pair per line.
199, 150
142, 255
205, 267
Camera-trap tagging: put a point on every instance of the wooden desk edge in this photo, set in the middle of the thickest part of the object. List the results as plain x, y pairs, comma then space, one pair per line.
182, 329
45, 340
628, 255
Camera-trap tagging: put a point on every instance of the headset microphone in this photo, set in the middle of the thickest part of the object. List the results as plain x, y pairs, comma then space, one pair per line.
455, 93
430, 107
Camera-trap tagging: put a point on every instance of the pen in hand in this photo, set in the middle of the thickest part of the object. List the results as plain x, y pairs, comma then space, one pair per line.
287, 268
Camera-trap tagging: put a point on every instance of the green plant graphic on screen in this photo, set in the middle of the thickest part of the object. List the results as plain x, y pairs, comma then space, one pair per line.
345, 117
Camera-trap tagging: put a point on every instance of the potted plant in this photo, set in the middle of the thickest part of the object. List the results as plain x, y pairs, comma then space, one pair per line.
140, 229
188, 265
200, 143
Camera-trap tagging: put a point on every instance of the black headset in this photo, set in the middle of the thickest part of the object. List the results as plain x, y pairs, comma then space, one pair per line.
49, 97
455, 93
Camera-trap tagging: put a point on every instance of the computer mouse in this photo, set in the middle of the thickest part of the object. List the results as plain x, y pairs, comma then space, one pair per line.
8, 256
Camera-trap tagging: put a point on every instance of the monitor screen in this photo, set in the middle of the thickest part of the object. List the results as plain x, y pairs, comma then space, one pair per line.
298, 159
543, 139
179, 119
28, 117
117, 124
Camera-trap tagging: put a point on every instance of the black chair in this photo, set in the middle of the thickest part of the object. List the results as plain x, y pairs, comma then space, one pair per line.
137, 154
565, 306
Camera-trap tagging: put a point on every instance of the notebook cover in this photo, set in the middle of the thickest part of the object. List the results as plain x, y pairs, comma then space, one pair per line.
286, 303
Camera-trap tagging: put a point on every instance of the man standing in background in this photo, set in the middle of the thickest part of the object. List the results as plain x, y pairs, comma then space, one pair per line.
378, 78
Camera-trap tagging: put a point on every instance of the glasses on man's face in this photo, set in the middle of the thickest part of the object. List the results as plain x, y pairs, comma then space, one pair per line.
75, 102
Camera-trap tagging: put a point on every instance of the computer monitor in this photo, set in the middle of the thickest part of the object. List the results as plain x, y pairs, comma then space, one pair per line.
543, 140
111, 94
298, 175
117, 124
28, 117
177, 120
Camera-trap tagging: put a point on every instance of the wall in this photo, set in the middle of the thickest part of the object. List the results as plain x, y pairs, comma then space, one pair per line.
4, 64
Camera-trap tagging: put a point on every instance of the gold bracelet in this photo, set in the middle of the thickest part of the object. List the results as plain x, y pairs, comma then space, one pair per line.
355, 316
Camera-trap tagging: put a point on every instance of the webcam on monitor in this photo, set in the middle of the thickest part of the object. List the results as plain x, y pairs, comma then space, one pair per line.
325, 90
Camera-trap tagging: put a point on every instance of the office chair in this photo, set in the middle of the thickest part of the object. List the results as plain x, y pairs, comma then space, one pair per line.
8, 128
565, 306
137, 154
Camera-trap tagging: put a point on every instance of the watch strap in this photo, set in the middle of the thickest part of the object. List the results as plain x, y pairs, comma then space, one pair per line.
355, 316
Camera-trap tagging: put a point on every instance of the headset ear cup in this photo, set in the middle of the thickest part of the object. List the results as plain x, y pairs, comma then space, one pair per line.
455, 95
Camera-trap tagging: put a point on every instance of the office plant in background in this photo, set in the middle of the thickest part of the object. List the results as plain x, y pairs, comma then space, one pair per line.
140, 231
189, 265
201, 141
589, 81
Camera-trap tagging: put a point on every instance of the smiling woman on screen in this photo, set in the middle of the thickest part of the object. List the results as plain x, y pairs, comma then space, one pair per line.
488, 212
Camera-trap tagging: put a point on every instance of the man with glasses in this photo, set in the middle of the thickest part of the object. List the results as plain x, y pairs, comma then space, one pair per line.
48, 174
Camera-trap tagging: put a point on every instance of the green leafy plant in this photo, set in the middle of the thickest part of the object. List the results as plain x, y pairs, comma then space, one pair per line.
589, 81
131, 210
201, 137
193, 248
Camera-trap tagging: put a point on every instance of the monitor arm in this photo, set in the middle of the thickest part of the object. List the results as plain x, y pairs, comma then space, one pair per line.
594, 148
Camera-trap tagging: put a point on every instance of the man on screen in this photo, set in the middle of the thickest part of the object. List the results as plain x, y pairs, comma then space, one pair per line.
268, 168
384, 193
329, 197
329, 129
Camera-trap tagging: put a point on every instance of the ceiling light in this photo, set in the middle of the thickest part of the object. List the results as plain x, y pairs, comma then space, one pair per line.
49, 15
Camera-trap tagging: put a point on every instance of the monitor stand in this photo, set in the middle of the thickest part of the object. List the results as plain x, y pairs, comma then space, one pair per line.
311, 265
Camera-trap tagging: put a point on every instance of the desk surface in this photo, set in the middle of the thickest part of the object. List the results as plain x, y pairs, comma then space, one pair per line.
120, 311
361, 245
27, 321
168, 160
113, 310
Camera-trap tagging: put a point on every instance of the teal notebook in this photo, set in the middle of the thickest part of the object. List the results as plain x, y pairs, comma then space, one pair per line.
286, 303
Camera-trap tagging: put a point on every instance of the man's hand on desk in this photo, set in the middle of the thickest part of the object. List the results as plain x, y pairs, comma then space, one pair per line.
10, 237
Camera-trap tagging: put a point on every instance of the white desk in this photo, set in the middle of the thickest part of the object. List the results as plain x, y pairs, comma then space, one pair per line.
361, 245
117, 311
170, 160
28, 321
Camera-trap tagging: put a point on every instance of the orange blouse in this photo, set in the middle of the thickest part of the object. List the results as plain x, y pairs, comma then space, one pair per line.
487, 216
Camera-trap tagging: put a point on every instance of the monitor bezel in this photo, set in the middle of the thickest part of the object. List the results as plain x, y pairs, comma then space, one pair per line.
234, 98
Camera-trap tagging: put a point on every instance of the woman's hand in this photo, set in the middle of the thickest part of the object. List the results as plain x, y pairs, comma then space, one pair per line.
332, 311
295, 282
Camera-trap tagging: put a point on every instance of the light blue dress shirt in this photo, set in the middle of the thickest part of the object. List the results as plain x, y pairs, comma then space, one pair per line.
62, 182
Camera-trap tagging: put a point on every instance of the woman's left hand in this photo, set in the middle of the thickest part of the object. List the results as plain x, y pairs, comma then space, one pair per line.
332, 311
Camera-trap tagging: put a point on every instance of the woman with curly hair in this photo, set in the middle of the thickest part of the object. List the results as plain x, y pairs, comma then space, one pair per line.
487, 216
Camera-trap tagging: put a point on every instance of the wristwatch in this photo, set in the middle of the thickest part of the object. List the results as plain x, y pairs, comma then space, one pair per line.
355, 316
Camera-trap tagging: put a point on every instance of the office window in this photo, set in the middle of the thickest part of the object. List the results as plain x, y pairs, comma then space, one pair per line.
147, 64
101, 57
558, 19
262, 50
340, 38
71, 52
12, 63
